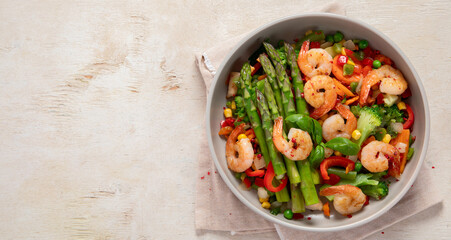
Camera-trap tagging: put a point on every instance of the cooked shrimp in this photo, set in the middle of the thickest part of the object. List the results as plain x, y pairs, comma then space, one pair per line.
321, 94
334, 126
244, 149
378, 156
392, 82
337, 70
348, 199
299, 146
314, 62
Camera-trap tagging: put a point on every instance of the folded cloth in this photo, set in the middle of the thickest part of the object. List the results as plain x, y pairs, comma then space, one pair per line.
218, 209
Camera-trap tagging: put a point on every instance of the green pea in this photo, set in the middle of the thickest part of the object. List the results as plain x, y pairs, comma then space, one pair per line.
354, 86
377, 64
338, 36
363, 44
337, 47
330, 38
288, 214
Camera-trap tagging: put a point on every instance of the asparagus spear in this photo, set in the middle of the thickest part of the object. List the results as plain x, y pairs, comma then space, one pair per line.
307, 187
252, 113
283, 80
292, 170
297, 201
282, 195
245, 75
276, 159
293, 174
298, 85
272, 79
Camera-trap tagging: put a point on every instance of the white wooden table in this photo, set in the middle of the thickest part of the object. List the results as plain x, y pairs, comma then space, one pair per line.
101, 107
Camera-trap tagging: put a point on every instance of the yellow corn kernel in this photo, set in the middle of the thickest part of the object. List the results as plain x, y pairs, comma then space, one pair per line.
233, 105
401, 105
308, 32
241, 136
356, 134
252, 69
337, 153
262, 200
343, 52
350, 62
266, 205
386, 138
227, 112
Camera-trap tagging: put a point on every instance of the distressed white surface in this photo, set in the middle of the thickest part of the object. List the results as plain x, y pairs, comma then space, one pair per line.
101, 110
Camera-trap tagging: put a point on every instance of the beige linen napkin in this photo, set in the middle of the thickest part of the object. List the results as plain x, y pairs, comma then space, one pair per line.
218, 209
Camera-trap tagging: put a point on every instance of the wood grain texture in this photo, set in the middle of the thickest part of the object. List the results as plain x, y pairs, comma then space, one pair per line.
101, 107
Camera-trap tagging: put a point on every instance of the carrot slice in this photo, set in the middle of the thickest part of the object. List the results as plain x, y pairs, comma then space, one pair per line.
340, 92
326, 209
403, 137
352, 100
343, 88
262, 77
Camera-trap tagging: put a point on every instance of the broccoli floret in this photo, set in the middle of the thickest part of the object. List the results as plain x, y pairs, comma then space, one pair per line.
369, 119
389, 114
393, 112
379, 191
356, 110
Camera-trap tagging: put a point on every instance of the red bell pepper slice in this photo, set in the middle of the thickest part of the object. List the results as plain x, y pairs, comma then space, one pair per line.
256, 173
410, 119
334, 179
269, 177
259, 182
247, 182
257, 66
335, 161
380, 98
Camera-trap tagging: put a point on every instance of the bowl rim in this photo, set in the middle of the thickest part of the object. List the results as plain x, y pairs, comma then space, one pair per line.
292, 225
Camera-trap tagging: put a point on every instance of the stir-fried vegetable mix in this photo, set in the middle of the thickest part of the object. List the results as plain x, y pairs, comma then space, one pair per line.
322, 119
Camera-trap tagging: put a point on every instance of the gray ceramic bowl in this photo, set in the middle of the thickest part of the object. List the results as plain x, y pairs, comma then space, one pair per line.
290, 28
